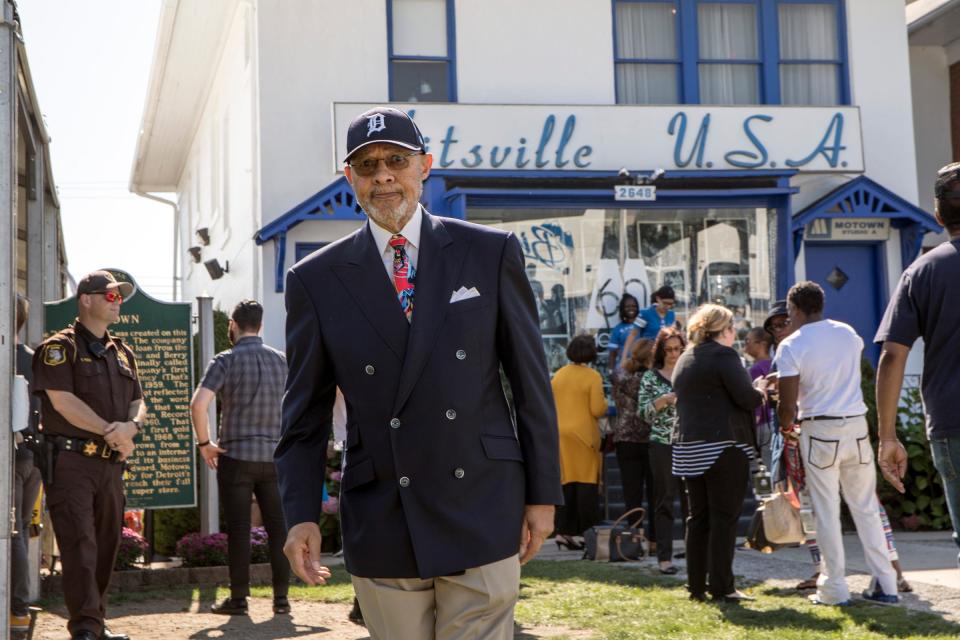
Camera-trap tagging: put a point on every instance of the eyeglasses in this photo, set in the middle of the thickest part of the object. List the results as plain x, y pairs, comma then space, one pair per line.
394, 162
669, 304
783, 324
109, 296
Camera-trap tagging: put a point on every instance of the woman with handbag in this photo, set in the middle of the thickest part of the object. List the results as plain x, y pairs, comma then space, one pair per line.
657, 403
631, 432
578, 394
713, 446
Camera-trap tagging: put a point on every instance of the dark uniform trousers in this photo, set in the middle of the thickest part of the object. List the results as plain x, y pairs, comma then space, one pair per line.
86, 505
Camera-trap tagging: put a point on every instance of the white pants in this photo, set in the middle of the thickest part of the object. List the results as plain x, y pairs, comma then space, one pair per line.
837, 455
476, 605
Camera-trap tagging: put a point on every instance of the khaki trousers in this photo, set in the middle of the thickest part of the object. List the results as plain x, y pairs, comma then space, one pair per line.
477, 605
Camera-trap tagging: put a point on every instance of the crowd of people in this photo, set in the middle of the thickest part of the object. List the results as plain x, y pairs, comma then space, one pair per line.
693, 421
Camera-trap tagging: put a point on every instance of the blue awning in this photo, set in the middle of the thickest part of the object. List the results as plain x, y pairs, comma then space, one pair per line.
333, 202
864, 198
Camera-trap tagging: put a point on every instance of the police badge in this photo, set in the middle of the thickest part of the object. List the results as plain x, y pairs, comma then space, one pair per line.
53, 355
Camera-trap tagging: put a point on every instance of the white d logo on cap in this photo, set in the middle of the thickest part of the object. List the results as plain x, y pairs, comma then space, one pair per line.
375, 123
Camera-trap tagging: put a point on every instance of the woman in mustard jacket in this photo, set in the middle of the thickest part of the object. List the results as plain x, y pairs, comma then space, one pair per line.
578, 393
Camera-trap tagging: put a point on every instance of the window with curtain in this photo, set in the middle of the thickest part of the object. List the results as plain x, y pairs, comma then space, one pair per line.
421, 51
647, 61
729, 53
809, 54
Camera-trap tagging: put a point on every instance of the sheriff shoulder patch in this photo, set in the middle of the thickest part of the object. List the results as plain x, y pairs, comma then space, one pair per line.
54, 354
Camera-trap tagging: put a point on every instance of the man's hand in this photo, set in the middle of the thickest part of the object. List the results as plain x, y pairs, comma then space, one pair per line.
125, 450
303, 551
891, 455
210, 453
537, 525
119, 434
892, 458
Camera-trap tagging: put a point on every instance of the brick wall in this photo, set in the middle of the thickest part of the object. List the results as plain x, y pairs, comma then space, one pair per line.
955, 109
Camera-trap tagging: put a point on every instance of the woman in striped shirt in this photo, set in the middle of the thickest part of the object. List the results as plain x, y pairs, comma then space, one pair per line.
714, 442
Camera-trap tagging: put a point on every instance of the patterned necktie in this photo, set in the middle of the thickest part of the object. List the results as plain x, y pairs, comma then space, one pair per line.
404, 274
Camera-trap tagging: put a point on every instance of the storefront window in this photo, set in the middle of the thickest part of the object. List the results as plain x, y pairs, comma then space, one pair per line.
580, 262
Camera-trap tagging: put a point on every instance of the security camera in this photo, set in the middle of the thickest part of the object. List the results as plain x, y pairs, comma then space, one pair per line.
623, 173
657, 174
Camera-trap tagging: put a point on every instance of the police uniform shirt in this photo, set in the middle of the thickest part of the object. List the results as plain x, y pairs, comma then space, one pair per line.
107, 383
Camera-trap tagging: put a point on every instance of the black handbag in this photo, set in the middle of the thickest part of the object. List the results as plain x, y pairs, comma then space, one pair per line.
616, 542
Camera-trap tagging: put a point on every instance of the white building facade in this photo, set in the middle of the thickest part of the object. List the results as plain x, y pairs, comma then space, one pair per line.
726, 148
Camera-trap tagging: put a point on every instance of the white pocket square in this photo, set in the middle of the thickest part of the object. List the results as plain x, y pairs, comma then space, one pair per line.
463, 293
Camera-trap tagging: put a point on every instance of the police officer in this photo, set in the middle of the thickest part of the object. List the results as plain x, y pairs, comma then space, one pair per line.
91, 410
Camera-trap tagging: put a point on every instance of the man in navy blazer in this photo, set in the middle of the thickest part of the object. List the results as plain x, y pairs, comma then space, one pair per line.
444, 494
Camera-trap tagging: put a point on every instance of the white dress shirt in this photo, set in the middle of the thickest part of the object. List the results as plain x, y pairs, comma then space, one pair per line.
410, 231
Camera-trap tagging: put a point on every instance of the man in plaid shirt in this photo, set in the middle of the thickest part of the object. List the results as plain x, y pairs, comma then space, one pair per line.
249, 378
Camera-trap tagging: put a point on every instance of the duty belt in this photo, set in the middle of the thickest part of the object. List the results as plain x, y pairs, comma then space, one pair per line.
88, 448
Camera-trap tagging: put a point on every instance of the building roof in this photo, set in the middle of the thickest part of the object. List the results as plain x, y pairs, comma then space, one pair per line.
33, 107
190, 38
933, 22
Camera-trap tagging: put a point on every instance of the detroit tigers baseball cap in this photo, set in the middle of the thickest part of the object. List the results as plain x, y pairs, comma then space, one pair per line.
386, 125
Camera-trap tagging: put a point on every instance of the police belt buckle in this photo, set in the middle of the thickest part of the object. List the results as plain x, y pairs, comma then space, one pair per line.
91, 449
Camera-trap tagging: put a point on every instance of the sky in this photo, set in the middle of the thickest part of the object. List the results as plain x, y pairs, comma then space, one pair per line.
90, 64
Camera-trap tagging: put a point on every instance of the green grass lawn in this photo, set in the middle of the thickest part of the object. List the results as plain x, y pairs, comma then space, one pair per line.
613, 603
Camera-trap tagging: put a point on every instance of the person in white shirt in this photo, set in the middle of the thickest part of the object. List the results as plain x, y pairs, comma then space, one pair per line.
819, 367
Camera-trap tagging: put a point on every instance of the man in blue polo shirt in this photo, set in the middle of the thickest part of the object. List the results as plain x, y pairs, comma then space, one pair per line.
927, 305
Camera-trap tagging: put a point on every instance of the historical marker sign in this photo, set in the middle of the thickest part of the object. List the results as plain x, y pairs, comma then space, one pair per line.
162, 471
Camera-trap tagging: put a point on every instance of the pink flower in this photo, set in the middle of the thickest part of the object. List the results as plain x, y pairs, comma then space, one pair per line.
331, 506
336, 475
911, 522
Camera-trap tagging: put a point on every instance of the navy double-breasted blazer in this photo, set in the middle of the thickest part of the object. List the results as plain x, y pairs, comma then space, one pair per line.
437, 470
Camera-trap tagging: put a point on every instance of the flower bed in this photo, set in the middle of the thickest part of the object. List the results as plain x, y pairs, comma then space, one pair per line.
132, 548
197, 550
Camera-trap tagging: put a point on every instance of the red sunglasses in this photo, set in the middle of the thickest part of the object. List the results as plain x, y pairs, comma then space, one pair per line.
109, 296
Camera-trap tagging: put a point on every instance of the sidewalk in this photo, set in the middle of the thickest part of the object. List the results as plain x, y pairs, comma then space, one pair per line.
927, 557
929, 561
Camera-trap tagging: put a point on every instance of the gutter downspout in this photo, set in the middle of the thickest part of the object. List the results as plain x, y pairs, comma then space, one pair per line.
176, 232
